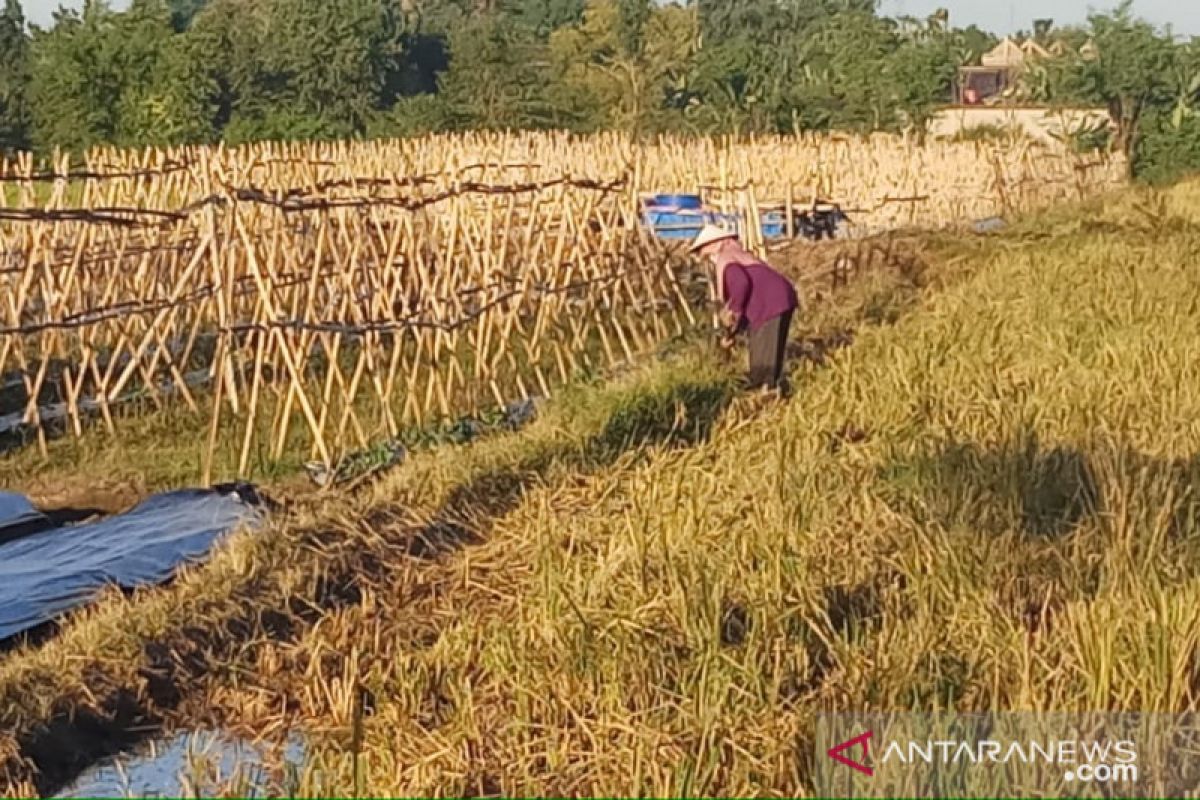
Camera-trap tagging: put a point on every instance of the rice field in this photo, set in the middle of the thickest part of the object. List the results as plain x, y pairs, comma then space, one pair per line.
982, 496
988, 505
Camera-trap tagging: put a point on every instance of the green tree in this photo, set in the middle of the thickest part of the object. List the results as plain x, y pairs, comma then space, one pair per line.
227, 40
1185, 82
544, 17
299, 68
498, 77
606, 78
1169, 144
745, 48
334, 54
1168, 148
1131, 74
632, 16
971, 43
74, 90
14, 78
170, 71
920, 69
184, 11
669, 47
770, 64
848, 75
163, 92
99, 76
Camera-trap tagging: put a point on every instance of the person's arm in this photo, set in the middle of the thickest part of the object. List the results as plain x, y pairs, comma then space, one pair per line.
737, 294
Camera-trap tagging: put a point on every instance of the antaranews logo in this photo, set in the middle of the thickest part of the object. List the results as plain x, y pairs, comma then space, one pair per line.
838, 752
1083, 761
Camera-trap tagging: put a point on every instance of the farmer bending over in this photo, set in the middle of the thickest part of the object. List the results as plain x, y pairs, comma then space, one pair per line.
756, 299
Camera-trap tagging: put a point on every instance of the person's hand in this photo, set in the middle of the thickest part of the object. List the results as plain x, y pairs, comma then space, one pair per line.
727, 342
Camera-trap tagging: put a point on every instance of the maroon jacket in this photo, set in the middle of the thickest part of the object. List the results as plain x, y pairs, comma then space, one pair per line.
754, 292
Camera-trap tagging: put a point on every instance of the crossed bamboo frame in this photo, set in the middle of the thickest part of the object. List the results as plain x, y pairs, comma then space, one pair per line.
325, 295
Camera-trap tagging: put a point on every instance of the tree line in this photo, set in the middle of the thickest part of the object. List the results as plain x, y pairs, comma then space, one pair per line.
169, 72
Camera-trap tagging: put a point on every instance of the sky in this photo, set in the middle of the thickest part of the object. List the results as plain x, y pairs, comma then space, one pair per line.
1006, 16
1000, 16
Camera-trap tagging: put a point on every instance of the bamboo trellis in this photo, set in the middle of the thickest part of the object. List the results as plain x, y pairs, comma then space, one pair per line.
888, 179
325, 295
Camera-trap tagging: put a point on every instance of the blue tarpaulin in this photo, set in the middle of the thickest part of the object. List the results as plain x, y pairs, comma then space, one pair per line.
52, 572
18, 517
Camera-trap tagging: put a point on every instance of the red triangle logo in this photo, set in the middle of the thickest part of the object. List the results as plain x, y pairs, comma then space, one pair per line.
837, 753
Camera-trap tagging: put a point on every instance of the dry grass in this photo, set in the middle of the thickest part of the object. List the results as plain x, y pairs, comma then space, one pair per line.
986, 504
111, 670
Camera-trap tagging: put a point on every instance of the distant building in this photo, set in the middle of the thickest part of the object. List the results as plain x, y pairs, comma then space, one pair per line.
990, 95
996, 78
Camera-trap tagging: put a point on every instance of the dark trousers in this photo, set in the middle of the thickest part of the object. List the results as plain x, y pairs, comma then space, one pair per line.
768, 347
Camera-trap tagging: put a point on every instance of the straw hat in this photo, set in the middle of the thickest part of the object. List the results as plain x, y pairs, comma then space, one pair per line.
710, 234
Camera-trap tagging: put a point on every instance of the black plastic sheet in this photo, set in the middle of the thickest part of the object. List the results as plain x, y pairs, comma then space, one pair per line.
52, 572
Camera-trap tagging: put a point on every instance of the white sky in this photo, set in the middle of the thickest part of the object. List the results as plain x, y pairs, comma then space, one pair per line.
1000, 16
1006, 16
